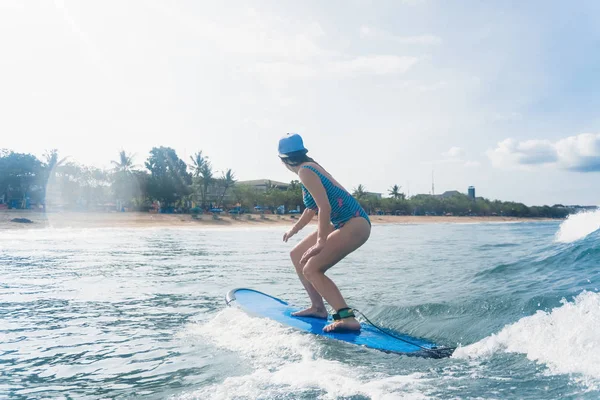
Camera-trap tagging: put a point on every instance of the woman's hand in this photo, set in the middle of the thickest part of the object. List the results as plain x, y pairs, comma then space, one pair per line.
313, 251
289, 234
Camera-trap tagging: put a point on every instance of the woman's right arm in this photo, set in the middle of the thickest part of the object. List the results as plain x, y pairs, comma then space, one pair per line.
304, 219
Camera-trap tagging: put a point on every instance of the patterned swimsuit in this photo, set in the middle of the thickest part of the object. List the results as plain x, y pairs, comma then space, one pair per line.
343, 205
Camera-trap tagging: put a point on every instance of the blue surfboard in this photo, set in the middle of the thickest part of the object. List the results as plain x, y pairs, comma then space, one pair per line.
260, 304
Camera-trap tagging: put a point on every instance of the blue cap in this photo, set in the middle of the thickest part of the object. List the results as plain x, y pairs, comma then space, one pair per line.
290, 143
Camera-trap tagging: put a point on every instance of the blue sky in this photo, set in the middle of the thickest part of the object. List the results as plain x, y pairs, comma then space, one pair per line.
499, 95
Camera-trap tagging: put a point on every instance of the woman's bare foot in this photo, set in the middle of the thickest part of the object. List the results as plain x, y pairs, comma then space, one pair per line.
312, 312
343, 325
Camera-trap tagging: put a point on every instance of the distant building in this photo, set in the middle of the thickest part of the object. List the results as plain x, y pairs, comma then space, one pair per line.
450, 193
216, 194
264, 184
446, 194
376, 195
472, 192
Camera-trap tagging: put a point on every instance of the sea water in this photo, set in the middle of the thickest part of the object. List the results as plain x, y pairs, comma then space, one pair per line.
140, 313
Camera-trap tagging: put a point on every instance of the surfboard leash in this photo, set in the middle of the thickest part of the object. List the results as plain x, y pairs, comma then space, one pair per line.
432, 349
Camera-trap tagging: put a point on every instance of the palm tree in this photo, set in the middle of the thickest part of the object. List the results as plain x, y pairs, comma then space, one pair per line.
198, 161
395, 192
295, 184
270, 185
202, 174
227, 181
206, 179
50, 166
123, 184
52, 161
125, 163
359, 192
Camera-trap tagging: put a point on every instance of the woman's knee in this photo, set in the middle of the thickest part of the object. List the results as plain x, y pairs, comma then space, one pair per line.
298, 251
296, 254
311, 270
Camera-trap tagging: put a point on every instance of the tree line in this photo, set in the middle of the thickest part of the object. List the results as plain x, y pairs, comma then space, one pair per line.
193, 186
26, 180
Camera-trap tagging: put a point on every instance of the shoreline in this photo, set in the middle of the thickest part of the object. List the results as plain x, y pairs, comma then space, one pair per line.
74, 219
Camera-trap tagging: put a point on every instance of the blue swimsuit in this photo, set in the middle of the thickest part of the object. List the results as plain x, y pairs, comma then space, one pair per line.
343, 205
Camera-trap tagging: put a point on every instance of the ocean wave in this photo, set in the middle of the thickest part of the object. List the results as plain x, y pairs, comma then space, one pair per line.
285, 363
564, 339
554, 262
577, 226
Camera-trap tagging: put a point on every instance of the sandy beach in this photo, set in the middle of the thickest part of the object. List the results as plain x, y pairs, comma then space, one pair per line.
141, 220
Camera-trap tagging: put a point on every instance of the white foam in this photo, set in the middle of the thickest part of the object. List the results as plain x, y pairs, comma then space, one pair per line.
287, 362
332, 380
259, 340
565, 339
577, 226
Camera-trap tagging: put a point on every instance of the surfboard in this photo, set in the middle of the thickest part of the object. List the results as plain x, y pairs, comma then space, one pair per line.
259, 304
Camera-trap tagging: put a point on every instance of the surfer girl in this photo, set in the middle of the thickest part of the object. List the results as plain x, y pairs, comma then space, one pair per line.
343, 226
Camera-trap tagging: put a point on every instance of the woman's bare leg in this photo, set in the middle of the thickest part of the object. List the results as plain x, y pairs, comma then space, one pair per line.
317, 308
339, 244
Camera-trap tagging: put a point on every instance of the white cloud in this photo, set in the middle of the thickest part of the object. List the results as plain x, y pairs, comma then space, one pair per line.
368, 32
536, 152
472, 164
576, 153
580, 153
510, 153
454, 152
252, 33
279, 50
292, 48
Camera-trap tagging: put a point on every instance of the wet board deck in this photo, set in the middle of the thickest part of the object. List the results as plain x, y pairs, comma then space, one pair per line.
260, 304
